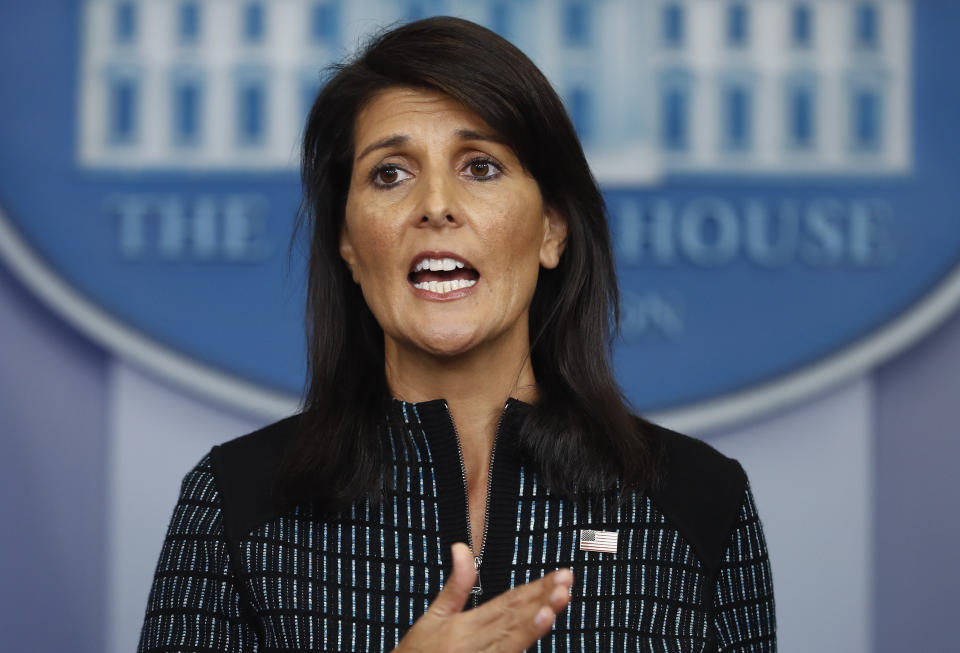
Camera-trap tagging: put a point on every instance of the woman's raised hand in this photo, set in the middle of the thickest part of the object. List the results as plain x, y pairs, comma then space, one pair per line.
511, 622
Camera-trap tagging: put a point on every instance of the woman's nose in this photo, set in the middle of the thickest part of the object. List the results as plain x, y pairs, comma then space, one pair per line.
437, 206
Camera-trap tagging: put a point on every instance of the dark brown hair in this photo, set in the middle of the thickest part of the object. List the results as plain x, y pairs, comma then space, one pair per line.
580, 434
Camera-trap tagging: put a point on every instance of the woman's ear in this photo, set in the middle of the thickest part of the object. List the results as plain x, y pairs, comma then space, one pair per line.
347, 253
554, 238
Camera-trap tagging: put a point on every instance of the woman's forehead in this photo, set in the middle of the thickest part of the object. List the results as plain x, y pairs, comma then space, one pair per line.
407, 111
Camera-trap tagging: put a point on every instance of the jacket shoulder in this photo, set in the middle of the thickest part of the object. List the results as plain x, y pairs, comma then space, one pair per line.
700, 492
246, 469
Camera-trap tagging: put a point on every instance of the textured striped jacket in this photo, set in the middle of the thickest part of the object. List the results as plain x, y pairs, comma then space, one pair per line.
238, 572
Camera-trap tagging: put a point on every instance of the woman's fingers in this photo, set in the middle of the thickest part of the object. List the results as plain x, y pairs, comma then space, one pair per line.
509, 623
553, 591
560, 596
517, 619
456, 590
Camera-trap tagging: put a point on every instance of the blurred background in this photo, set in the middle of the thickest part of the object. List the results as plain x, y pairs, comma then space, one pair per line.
782, 184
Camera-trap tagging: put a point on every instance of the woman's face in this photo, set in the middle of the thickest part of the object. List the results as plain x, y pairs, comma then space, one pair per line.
444, 230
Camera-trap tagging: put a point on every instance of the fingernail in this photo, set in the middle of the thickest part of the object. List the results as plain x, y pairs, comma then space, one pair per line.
544, 615
559, 594
564, 576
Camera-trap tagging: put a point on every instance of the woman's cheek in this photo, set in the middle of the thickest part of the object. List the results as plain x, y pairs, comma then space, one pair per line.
378, 237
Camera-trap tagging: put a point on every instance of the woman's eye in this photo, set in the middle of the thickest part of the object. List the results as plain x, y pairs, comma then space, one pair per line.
482, 169
388, 175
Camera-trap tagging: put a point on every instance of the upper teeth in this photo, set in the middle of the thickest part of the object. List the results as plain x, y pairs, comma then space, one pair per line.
437, 264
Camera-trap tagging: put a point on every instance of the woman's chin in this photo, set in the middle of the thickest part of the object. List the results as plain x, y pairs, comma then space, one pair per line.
449, 348
447, 343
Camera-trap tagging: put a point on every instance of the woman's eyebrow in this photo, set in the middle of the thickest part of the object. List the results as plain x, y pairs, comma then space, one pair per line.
400, 139
470, 135
389, 141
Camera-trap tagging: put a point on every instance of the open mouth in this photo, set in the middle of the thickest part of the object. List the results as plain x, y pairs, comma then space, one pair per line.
442, 274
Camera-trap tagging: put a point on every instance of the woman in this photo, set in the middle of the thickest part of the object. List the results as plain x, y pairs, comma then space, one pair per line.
465, 474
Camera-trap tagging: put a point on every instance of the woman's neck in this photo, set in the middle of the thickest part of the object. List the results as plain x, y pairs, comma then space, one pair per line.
476, 385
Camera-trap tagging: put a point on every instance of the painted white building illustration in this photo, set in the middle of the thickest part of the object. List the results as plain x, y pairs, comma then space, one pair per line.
768, 87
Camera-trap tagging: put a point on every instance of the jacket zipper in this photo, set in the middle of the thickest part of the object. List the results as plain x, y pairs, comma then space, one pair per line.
477, 589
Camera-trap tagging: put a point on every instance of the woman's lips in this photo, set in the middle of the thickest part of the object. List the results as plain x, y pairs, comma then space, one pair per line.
437, 260
442, 274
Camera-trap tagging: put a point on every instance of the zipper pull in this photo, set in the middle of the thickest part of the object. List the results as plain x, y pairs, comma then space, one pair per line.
477, 590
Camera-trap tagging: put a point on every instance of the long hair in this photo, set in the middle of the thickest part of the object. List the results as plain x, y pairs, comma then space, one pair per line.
580, 434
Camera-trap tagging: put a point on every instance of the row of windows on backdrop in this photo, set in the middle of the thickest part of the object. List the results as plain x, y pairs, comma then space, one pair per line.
800, 124
187, 110
577, 22
800, 27
323, 22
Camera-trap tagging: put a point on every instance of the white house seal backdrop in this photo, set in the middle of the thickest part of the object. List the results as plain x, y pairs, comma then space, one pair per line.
760, 161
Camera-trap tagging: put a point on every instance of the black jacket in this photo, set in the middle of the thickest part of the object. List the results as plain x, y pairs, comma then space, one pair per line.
240, 571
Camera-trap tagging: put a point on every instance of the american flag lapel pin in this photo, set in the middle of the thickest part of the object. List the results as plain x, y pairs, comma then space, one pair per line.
602, 541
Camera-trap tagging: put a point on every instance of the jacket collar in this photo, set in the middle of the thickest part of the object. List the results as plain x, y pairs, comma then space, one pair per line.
433, 419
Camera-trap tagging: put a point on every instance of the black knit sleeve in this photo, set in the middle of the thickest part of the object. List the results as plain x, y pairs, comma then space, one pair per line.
195, 601
744, 619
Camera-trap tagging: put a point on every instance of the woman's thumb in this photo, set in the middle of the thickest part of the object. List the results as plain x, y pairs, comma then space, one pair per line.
456, 590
